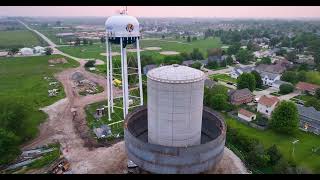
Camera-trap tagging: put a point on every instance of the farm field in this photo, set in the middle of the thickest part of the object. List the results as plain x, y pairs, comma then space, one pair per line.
22, 79
303, 150
19, 39
223, 77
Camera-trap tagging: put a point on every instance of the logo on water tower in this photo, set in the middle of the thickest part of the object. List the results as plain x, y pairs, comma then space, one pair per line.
129, 27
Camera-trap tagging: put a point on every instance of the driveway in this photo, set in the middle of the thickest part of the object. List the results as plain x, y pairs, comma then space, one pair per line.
258, 94
289, 96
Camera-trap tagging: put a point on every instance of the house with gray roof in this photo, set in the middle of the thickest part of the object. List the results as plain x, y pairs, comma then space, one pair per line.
309, 119
237, 71
278, 83
268, 79
188, 62
148, 67
209, 83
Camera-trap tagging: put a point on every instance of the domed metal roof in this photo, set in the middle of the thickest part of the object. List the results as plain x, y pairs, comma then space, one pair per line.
122, 26
175, 74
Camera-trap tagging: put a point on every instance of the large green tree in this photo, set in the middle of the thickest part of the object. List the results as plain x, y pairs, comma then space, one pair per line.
244, 56
258, 79
289, 76
285, 118
219, 102
246, 80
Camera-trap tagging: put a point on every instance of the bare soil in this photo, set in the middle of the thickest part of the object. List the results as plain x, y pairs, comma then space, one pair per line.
169, 52
58, 61
152, 48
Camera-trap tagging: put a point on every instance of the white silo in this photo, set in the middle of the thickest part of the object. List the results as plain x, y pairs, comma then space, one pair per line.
175, 105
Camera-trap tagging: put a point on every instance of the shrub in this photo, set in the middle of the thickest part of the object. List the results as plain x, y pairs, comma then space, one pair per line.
285, 118
218, 102
90, 63
286, 88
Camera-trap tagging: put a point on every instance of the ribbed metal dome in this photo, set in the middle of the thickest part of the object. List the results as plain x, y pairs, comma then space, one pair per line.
122, 26
175, 74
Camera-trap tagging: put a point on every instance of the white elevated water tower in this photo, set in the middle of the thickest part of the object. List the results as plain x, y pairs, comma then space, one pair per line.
122, 30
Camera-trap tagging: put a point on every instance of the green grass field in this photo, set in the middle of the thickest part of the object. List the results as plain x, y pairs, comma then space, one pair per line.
19, 39
313, 77
223, 77
23, 79
93, 51
303, 149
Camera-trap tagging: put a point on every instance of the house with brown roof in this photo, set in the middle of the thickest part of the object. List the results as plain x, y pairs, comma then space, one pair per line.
266, 104
246, 115
241, 96
304, 87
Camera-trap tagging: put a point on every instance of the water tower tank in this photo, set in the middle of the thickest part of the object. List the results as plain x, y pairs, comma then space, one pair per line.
122, 25
175, 105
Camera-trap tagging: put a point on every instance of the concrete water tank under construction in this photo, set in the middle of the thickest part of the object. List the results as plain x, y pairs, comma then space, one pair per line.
175, 134
175, 97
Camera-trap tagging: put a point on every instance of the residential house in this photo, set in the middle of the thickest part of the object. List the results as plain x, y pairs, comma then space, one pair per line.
148, 67
305, 59
304, 87
241, 96
246, 115
277, 83
269, 79
203, 62
309, 119
188, 62
217, 59
266, 104
209, 83
237, 71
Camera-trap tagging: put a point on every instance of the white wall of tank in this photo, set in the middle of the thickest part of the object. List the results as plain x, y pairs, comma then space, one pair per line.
175, 104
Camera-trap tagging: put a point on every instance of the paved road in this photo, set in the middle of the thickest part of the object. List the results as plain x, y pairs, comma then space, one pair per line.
51, 44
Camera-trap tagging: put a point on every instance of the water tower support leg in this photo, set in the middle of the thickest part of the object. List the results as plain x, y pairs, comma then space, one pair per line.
139, 69
122, 80
108, 79
111, 78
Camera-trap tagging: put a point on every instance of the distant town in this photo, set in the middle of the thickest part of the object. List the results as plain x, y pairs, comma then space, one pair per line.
262, 76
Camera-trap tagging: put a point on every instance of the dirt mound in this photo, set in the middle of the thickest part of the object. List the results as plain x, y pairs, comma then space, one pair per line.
58, 61
113, 54
169, 52
153, 48
134, 50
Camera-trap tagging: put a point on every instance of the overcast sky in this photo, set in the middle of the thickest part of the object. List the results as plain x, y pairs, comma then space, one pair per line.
166, 11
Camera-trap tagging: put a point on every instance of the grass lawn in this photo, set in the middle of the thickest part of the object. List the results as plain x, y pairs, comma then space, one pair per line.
19, 39
22, 78
303, 154
203, 45
304, 97
117, 116
223, 77
313, 77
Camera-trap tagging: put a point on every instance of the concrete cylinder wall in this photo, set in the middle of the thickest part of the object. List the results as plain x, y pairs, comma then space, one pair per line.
175, 109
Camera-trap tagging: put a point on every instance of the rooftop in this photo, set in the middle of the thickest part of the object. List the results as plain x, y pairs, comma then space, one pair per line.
307, 86
268, 101
246, 113
309, 112
175, 74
